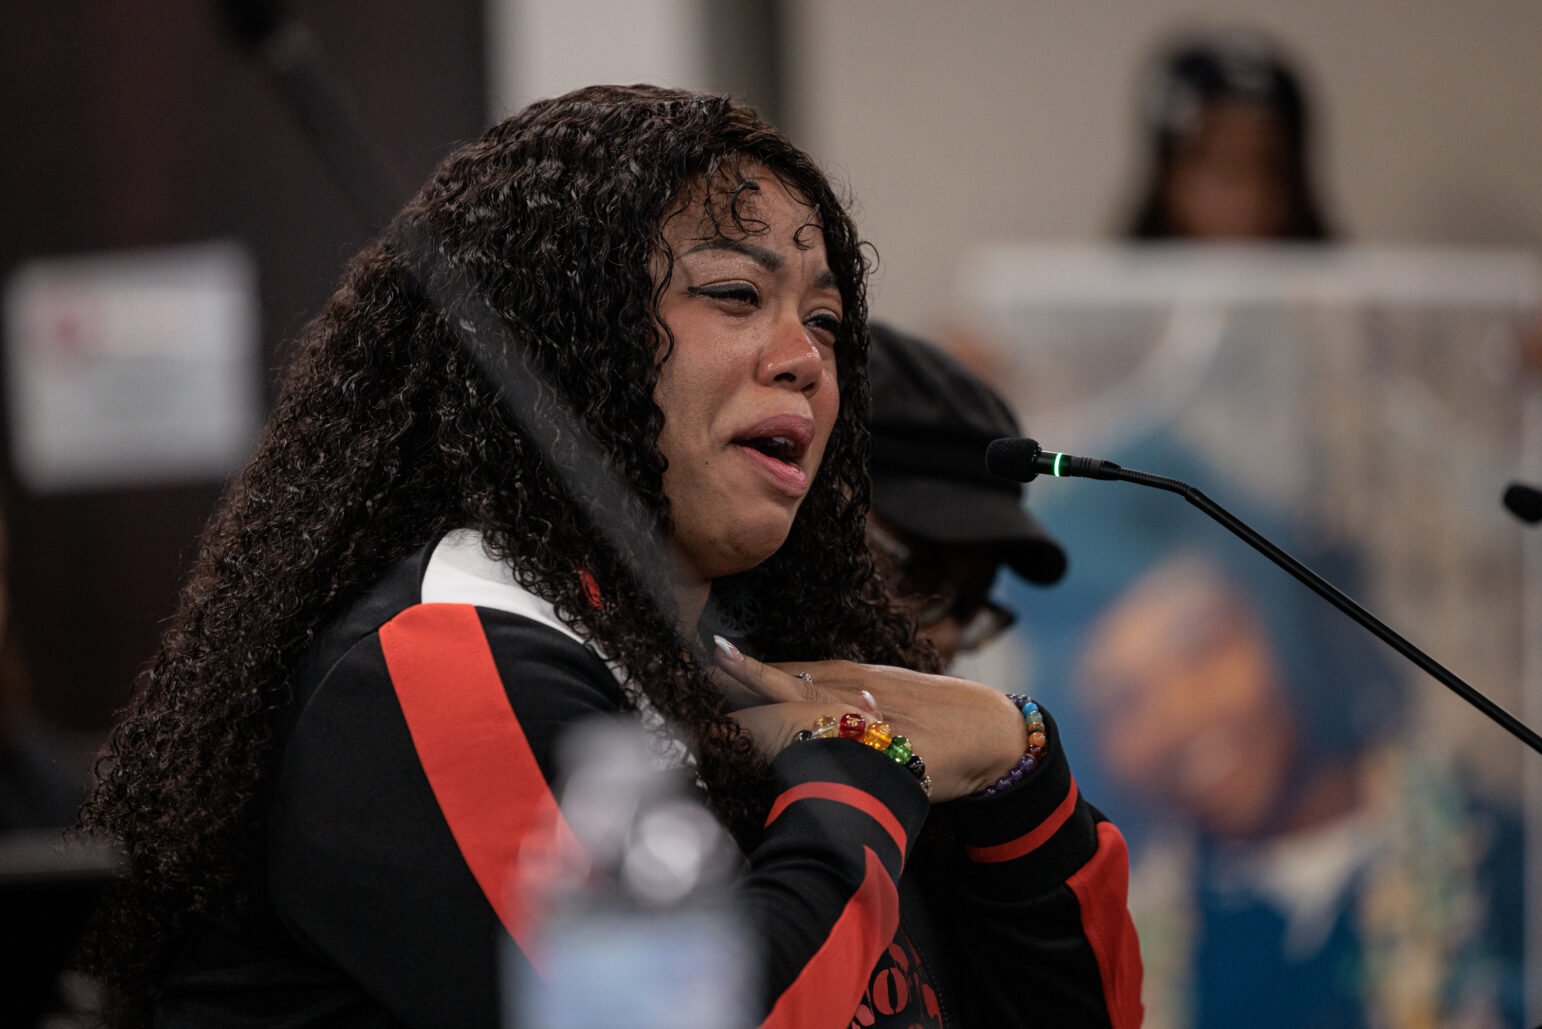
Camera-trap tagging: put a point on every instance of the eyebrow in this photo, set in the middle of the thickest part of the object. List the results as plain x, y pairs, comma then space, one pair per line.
770, 260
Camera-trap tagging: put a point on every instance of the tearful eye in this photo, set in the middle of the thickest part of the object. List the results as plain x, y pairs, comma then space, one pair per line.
827, 323
736, 293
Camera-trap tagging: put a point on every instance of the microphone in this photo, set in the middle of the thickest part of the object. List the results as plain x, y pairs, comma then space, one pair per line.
1524, 502
1023, 460
322, 104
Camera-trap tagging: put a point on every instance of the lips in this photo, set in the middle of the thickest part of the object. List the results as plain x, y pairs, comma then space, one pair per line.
778, 445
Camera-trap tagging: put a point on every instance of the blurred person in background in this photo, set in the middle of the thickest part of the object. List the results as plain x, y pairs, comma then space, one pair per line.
1228, 133
1304, 856
1226, 146
1312, 858
943, 526
342, 758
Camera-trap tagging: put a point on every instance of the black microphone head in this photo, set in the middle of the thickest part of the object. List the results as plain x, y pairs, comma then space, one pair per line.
1013, 458
1524, 502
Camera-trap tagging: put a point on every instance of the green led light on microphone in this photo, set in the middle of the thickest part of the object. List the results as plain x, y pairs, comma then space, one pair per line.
1056, 469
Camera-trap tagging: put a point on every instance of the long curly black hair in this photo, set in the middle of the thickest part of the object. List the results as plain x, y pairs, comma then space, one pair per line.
391, 431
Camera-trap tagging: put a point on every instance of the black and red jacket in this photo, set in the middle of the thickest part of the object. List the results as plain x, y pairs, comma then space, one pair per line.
417, 764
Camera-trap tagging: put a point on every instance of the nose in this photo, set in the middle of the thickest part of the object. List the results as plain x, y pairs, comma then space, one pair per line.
790, 357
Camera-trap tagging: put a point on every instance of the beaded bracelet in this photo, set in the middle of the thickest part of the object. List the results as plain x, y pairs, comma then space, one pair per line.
1037, 741
879, 735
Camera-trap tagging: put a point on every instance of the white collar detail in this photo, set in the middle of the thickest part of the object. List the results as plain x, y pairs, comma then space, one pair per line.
460, 571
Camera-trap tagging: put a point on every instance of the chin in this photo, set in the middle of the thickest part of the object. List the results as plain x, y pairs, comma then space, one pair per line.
749, 546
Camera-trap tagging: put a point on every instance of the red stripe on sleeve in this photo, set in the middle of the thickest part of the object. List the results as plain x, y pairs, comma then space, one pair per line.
1030, 841
1102, 888
830, 986
843, 794
477, 759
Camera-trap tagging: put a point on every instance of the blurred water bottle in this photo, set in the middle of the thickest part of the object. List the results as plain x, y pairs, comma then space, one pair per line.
636, 924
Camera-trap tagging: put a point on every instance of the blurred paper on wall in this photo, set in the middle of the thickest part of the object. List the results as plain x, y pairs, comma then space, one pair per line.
133, 368
1320, 834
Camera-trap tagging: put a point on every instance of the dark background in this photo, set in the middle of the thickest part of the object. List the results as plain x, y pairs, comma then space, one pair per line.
145, 124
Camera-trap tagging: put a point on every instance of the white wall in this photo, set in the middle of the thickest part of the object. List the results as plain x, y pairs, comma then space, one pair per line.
539, 48
995, 120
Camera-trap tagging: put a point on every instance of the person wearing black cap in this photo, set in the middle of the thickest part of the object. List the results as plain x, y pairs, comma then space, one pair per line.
941, 522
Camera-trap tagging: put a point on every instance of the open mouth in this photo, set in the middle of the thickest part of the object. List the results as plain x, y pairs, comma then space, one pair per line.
779, 448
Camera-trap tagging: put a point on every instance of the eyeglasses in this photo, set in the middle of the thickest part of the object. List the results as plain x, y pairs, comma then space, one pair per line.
979, 621
932, 586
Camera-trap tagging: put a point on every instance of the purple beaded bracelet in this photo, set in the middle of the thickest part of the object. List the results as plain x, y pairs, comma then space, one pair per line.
1033, 718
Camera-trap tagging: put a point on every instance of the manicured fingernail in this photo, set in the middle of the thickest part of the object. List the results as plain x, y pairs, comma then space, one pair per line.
729, 650
868, 701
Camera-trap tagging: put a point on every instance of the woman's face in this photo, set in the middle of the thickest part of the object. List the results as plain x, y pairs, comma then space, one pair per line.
749, 389
1229, 179
1184, 690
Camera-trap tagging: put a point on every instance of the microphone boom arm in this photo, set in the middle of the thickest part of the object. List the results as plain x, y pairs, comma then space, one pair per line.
1023, 460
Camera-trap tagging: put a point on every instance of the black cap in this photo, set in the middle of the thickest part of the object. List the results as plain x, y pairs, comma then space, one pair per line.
932, 420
